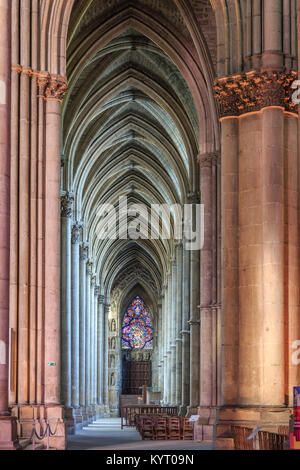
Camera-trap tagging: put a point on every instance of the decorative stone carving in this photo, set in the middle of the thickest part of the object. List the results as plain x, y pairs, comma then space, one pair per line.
89, 267
194, 198
112, 381
101, 299
84, 251
76, 233
209, 159
113, 343
67, 201
252, 91
51, 87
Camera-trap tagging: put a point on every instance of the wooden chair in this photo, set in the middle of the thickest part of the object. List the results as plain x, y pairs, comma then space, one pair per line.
188, 430
174, 428
147, 428
160, 428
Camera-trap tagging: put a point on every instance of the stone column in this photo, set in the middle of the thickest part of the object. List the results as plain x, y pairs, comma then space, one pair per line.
101, 343
165, 330
89, 273
8, 431
160, 346
82, 330
105, 354
208, 384
185, 332
179, 308
75, 306
92, 345
66, 226
169, 339
194, 323
96, 355
173, 335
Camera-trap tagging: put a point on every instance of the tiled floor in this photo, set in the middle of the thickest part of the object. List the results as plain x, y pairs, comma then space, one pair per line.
106, 434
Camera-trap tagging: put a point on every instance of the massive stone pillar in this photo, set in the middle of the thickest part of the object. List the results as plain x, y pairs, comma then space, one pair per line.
165, 357
173, 327
208, 297
194, 322
100, 352
178, 325
169, 331
75, 323
106, 335
260, 276
8, 428
185, 332
92, 346
66, 227
82, 330
89, 273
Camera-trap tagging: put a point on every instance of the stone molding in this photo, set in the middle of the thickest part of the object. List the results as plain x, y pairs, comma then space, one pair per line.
76, 233
49, 87
252, 91
67, 201
101, 299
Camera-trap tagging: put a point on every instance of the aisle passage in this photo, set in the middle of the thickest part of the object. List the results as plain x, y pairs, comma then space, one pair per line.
106, 434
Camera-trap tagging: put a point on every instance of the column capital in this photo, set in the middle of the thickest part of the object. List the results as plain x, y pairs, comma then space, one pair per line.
51, 87
76, 233
193, 197
66, 204
97, 291
254, 90
93, 279
89, 267
101, 299
106, 308
207, 160
84, 251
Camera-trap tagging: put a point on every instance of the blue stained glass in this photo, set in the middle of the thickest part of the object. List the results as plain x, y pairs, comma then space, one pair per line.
137, 331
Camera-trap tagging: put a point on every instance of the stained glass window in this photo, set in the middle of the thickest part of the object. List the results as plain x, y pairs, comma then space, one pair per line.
137, 332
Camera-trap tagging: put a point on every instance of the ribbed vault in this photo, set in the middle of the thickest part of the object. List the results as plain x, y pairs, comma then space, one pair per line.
131, 127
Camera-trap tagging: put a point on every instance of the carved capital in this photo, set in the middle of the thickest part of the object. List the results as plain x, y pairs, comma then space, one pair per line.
51, 87
84, 251
89, 267
97, 290
67, 201
209, 159
254, 90
194, 198
101, 299
76, 233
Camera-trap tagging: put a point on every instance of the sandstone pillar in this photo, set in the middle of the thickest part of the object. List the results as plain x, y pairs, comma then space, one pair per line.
178, 322
82, 329
194, 323
88, 336
185, 332
66, 227
106, 330
8, 431
101, 343
75, 307
173, 326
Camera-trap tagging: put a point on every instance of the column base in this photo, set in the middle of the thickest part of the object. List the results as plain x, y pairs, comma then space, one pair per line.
191, 410
40, 415
84, 415
266, 417
206, 424
8, 433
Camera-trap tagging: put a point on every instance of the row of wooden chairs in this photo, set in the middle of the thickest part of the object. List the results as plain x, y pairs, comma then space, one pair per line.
156, 428
265, 440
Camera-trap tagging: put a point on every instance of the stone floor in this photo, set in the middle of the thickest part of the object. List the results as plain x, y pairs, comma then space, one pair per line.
106, 434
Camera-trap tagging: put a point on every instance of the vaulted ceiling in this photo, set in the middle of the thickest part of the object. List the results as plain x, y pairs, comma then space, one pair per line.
131, 127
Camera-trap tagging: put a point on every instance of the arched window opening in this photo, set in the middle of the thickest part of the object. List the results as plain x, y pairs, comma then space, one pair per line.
137, 331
